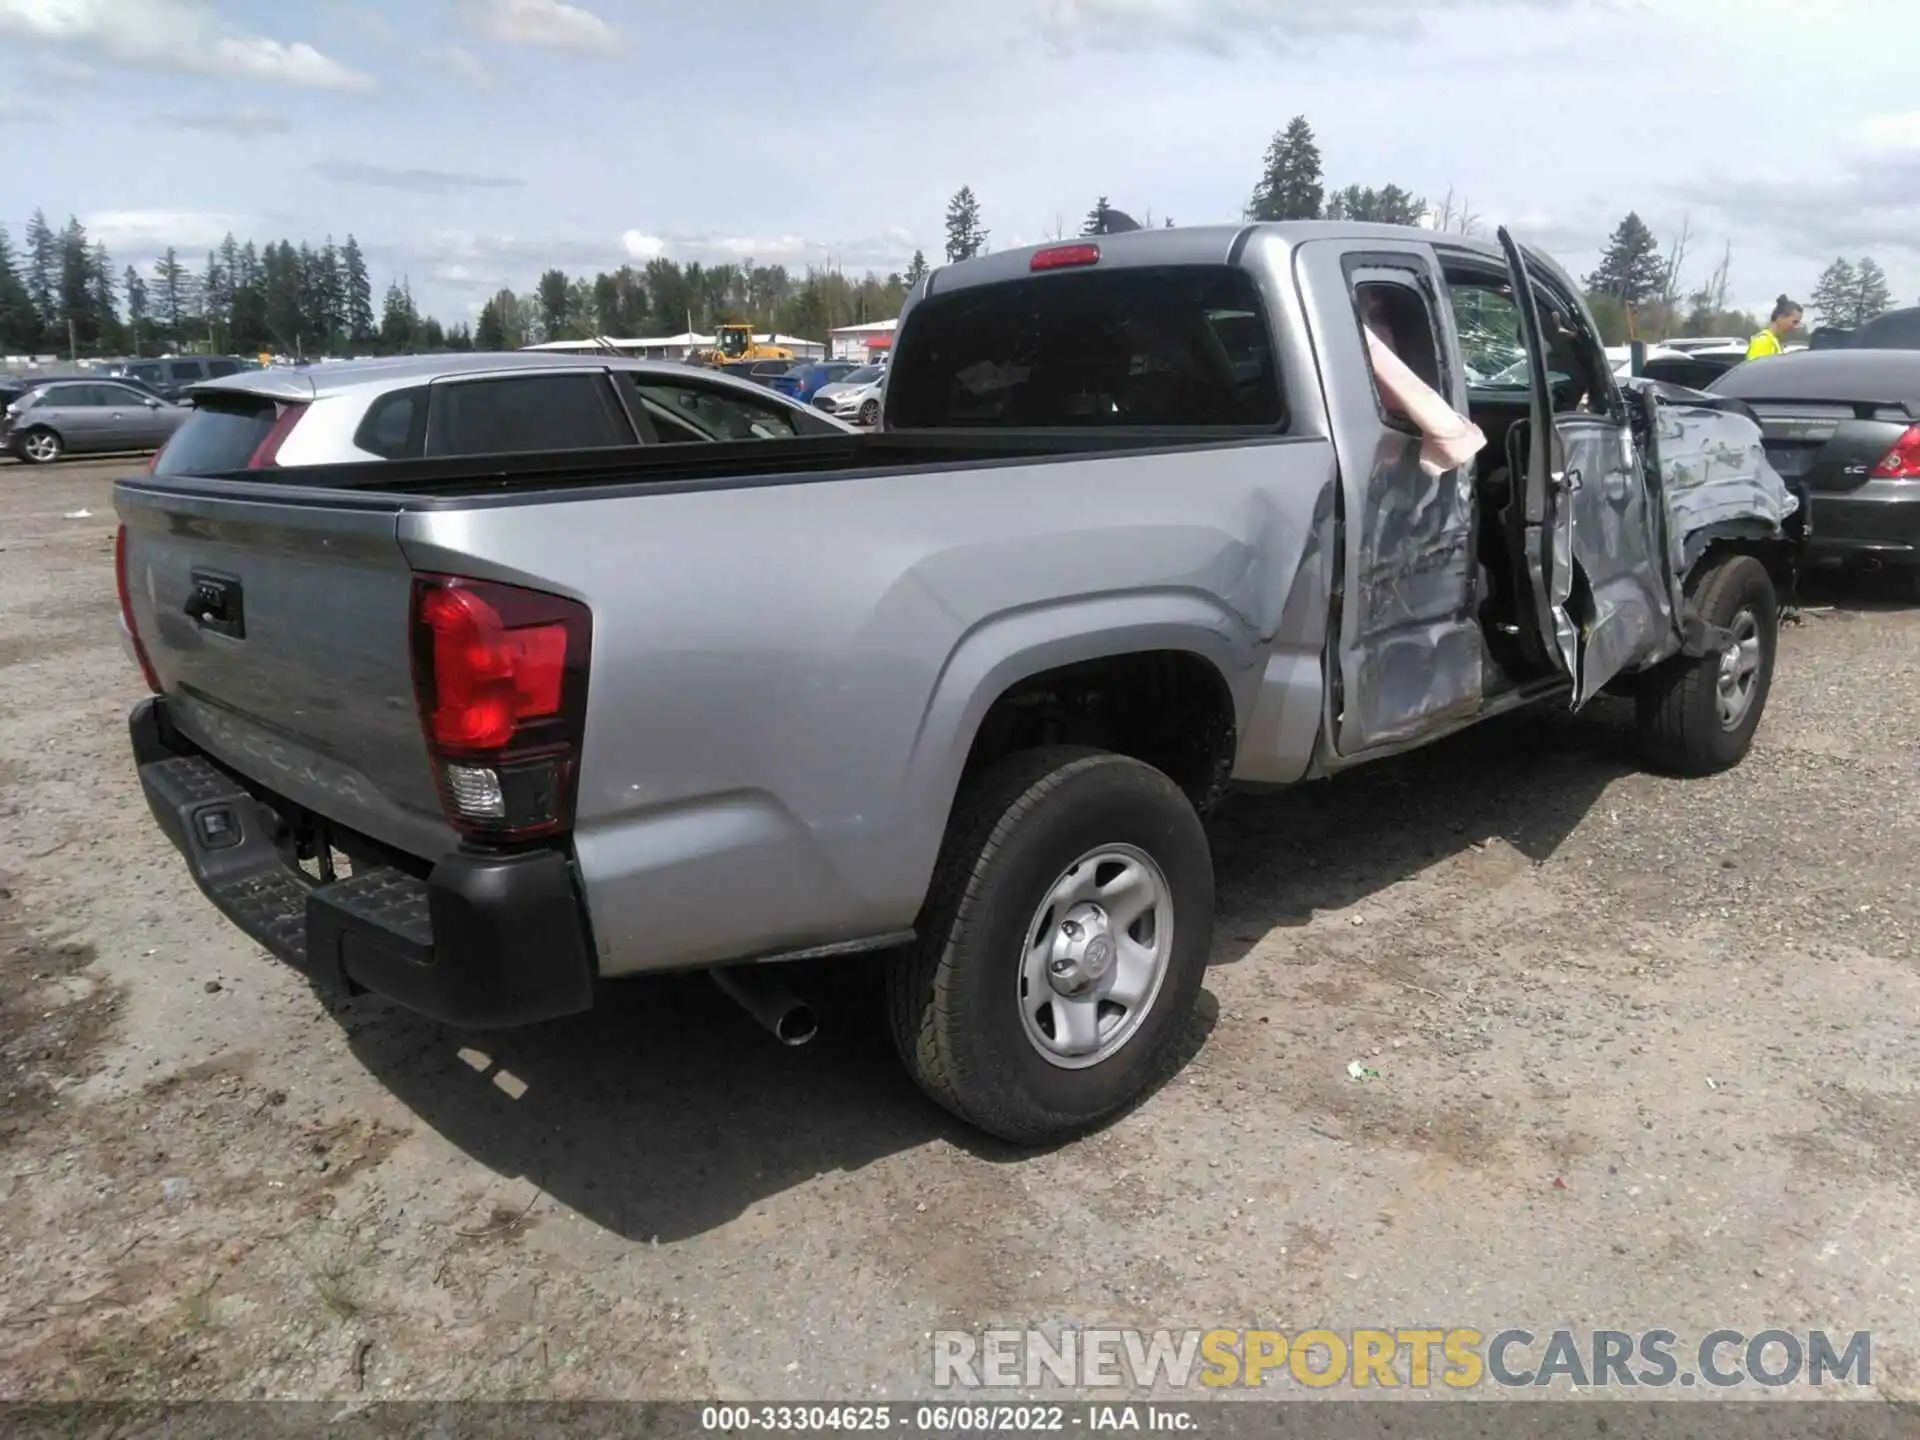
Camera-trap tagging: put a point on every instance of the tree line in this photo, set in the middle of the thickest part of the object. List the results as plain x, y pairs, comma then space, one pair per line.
666, 297
61, 293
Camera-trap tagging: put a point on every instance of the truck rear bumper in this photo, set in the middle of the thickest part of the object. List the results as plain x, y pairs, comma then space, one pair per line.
483, 941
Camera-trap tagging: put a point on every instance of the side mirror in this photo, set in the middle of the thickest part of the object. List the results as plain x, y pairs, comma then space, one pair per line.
152, 403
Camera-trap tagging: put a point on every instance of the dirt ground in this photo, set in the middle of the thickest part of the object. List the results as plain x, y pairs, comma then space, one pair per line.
1644, 1051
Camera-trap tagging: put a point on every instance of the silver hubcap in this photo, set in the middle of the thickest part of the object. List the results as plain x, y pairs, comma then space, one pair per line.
1097, 954
1739, 670
42, 447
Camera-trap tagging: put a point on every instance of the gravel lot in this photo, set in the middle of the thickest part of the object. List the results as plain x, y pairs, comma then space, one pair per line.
1644, 1053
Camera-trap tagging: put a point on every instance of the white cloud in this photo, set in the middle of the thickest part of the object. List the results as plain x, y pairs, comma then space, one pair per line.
415, 179
12, 114
1896, 133
151, 231
550, 24
461, 64
642, 247
1224, 27
179, 35
240, 124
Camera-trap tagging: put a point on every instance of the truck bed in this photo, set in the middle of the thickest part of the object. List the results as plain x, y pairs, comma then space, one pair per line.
717, 464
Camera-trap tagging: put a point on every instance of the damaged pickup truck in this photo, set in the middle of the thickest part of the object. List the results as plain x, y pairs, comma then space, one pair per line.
1148, 515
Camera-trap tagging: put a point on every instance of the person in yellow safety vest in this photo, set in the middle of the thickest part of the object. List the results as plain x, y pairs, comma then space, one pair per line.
1786, 319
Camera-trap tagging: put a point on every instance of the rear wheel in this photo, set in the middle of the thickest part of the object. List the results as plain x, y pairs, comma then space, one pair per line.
40, 446
1698, 715
1062, 946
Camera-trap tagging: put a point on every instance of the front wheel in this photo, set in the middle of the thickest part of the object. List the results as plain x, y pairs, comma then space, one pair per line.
870, 413
1698, 714
1062, 944
40, 446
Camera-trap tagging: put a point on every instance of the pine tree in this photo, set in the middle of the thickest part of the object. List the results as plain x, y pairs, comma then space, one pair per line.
139, 319
358, 292
1872, 295
42, 273
399, 321
555, 295
1096, 221
490, 330
1631, 270
1291, 184
103, 299
213, 300
330, 296
916, 269
172, 292
19, 323
965, 238
1836, 298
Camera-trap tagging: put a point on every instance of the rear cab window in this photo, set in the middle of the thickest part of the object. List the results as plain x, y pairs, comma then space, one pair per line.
525, 414
222, 435
1167, 347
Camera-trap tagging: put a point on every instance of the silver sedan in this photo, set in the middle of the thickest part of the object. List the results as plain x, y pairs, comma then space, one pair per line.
73, 417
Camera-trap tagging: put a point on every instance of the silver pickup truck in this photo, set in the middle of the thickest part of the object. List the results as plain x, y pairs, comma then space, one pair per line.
1140, 523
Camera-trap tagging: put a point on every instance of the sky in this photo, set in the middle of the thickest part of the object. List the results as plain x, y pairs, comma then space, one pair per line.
469, 144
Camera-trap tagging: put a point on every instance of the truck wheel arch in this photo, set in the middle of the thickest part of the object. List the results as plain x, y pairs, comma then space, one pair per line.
1197, 653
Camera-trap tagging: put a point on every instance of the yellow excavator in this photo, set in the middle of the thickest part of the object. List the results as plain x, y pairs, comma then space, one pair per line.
736, 342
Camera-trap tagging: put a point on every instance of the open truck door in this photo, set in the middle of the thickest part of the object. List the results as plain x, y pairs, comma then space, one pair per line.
1545, 487
1594, 543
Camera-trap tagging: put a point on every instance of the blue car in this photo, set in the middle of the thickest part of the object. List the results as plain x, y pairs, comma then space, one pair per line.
804, 380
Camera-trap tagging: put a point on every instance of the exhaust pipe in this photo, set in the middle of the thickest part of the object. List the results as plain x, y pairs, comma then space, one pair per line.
787, 1018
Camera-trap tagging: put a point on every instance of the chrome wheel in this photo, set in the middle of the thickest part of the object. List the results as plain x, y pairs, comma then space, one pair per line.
870, 413
1097, 955
41, 446
1740, 670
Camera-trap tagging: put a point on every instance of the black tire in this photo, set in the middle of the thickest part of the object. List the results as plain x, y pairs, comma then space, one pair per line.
24, 445
1681, 728
870, 412
954, 998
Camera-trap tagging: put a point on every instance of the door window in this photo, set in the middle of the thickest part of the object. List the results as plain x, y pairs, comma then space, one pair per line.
524, 414
121, 398
217, 368
185, 372
1398, 316
681, 412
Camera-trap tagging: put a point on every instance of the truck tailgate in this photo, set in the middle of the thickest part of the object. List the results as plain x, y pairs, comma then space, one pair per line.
277, 625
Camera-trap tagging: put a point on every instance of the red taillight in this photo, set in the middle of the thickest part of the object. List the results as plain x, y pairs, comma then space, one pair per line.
267, 452
1902, 462
500, 673
126, 609
1059, 257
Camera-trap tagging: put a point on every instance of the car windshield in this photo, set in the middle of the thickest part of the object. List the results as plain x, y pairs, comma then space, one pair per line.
865, 375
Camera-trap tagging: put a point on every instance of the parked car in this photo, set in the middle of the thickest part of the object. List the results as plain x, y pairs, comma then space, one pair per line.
74, 417
803, 381
35, 380
958, 691
1895, 330
417, 406
169, 375
1845, 425
855, 396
